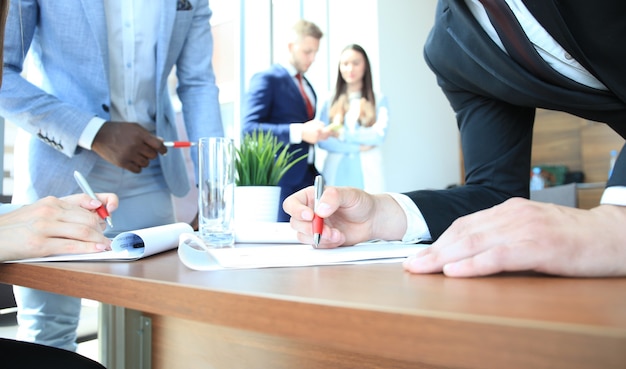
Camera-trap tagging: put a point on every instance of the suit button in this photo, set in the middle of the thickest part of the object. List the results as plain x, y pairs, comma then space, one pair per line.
105, 107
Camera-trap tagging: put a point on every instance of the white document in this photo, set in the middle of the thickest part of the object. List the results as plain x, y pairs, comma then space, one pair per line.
128, 246
265, 232
196, 255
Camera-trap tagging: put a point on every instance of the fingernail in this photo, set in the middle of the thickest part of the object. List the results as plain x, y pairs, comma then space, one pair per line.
451, 268
307, 215
102, 247
407, 262
95, 203
323, 208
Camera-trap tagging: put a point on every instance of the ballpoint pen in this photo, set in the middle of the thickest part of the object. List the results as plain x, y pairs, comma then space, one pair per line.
178, 144
102, 211
318, 222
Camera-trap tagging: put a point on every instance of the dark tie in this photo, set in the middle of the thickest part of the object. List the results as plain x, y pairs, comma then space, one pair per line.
516, 42
305, 96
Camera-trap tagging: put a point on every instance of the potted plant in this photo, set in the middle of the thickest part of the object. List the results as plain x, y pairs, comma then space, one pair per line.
261, 160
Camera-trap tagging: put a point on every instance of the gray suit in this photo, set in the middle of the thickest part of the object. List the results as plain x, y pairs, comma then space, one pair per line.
71, 43
68, 40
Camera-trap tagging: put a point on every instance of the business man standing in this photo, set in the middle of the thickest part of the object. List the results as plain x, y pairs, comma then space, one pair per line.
282, 100
102, 107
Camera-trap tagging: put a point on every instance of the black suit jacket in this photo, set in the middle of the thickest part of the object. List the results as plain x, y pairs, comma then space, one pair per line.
495, 98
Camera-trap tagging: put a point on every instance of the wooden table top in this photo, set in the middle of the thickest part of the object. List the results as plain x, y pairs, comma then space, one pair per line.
524, 318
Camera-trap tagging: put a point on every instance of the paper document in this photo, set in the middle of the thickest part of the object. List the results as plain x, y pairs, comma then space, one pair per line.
196, 255
130, 245
265, 232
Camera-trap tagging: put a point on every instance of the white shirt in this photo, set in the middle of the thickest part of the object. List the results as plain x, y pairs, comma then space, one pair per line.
132, 32
557, 58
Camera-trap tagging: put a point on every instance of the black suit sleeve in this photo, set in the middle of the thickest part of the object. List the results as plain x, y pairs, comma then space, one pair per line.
496, 140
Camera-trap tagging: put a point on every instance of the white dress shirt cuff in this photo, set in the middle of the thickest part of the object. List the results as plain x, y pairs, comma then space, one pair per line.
416, 228
89, 133
615, 195
295, 133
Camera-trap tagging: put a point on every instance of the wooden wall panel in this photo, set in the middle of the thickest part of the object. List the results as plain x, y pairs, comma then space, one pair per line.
563, 139
597, 141
556, 140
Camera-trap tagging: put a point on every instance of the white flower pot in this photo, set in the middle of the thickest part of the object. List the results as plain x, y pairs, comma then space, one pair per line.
256, 204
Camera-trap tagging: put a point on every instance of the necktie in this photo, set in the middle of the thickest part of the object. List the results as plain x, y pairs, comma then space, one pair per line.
307, 102
515, 40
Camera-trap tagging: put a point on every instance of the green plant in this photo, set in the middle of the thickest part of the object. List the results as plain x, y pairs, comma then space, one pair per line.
262, 160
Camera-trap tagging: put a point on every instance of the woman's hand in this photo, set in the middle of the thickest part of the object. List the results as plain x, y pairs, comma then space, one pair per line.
55, 226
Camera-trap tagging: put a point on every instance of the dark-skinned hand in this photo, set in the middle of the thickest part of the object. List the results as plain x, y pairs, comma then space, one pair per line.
127, 145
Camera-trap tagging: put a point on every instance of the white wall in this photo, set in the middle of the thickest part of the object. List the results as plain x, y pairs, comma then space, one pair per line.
422, 150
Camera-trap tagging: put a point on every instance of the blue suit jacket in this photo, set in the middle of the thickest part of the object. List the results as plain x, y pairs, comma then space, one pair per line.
69, 39
272, 103
494, 98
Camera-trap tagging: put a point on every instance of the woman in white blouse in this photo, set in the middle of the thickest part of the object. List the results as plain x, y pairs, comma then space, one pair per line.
359, 117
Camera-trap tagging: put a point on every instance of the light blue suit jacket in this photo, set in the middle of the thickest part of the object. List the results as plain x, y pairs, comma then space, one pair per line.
69, 41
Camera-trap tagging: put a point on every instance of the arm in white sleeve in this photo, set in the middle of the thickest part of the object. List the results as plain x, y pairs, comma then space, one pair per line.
416, 228
614, 195
89, 133
295, 133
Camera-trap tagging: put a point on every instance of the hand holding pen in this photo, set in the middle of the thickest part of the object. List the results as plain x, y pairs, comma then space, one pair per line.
84, 185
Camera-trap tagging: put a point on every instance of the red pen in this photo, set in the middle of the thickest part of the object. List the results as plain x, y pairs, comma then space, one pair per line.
178, 144
318, 222
102, 211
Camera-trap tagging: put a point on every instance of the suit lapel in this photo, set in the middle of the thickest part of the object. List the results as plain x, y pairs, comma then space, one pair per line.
476, 44
589, 32
295, 93
96, 18
168, 16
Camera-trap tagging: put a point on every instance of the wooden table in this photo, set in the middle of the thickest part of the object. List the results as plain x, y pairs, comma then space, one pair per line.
352, 316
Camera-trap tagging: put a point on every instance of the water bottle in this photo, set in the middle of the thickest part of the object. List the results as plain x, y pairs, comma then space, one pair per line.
536, 180
612, 161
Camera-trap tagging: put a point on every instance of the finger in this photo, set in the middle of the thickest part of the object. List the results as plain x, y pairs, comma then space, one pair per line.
330, 201
434, 258
331, 238
58, 246
462, 240
300, 204
145, 153
110, 201
156, 144
91, 220
75, 224
506, 258
132, 167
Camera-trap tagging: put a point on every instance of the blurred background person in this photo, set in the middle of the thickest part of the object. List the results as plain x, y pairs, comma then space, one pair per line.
281, 100
360, 118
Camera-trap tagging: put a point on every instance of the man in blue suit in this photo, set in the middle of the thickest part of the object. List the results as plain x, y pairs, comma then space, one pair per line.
102, 107
282, 100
